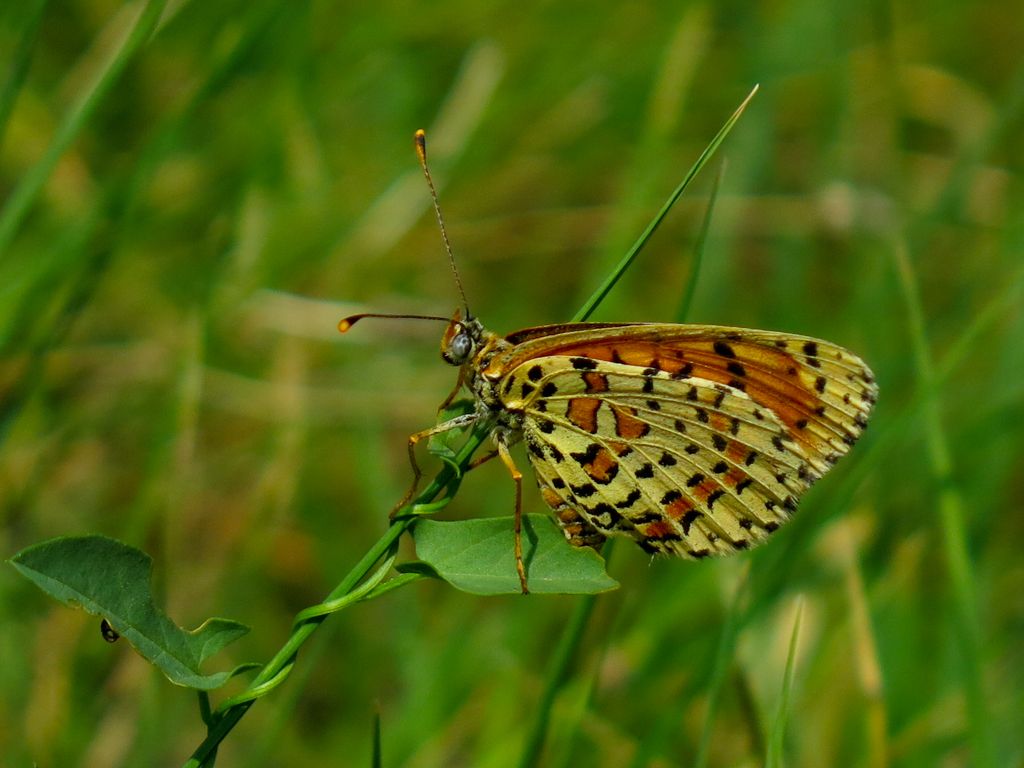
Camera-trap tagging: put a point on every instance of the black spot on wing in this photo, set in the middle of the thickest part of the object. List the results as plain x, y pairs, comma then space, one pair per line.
723, 349
583, 363
631, 498
689, 519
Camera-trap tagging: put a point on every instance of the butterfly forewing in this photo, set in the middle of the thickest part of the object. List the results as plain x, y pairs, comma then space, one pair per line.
693, 440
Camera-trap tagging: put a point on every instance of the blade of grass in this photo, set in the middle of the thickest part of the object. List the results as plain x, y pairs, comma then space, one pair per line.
26, 192
776, 738
558, 671
18, 65
911, 238
659, 739
698, 249
724, 654
749, 712
683, 53
951, 516
598, 296
376, 758
564, 754
865, 654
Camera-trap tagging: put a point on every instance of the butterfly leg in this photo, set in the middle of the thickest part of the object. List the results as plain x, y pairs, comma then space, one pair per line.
481, 460
517, 516
451, 395
417, 473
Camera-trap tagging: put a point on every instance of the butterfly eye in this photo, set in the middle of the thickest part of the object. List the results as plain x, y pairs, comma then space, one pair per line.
459, 349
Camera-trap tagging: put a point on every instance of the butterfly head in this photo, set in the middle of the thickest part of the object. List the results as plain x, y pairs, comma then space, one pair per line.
462, 339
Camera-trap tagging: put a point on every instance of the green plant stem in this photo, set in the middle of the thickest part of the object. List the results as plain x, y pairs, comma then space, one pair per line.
308, 620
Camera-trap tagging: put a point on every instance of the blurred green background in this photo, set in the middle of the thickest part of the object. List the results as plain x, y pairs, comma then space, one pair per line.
188, 211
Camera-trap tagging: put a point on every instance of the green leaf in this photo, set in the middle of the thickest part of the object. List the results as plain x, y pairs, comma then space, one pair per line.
477, 556
112, 580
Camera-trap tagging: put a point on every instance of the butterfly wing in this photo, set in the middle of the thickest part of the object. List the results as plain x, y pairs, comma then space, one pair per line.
693, 440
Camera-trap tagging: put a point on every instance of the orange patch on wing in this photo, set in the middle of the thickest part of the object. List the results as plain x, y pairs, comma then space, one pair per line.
659, 529
704, 490
583, 413
678, 508
628, 426
551, 498
673, 364
568, 516
772, 377
603, 468
720, 422
595, 382
620, 448
642, 354
734, 477
736, 452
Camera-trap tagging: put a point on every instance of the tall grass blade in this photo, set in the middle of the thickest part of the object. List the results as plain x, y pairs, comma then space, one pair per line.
777, 736
724, 654
376, 759
19, 62
683, 311
26, 192
598, 296
951, 517
558, 671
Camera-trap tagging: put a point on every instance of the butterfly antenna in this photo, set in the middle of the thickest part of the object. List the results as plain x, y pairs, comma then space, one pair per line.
347, 322
421, 153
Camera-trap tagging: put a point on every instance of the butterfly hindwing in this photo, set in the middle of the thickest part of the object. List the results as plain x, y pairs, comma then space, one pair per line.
693, 440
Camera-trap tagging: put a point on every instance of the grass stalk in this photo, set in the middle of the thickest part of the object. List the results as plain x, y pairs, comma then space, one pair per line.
566, 652
725, 652
27, 191
777, 736
966, 616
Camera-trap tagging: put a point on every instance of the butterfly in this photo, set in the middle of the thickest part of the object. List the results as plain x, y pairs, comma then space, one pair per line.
692, 440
